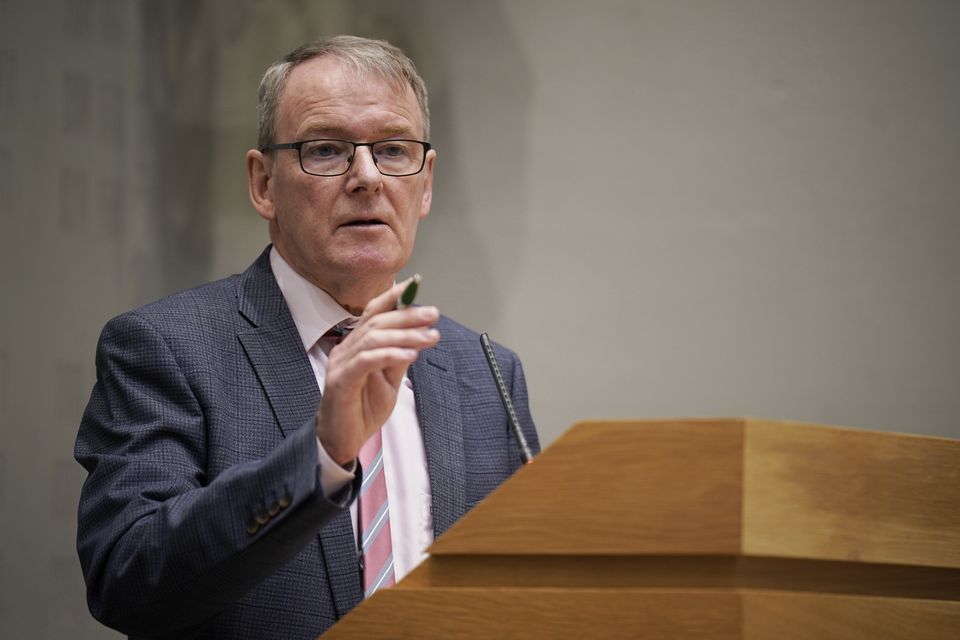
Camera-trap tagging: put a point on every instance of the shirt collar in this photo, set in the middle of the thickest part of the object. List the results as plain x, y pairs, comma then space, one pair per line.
314, 311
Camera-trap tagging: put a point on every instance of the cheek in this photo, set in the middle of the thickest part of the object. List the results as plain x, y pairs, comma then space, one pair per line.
304, 207
413, 206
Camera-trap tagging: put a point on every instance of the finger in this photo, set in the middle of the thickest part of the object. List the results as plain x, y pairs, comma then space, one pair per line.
410, 318
386, 301
395, 375
415, 338
352, 373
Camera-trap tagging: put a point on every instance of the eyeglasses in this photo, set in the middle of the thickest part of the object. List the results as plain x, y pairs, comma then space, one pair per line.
334, 157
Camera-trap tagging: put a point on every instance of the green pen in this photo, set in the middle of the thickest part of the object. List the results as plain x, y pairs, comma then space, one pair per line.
409, 293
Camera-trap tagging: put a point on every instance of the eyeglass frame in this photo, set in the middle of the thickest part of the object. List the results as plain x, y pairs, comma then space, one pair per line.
299, 145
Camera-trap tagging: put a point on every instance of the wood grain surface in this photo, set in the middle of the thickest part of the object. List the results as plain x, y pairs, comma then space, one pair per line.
672, 572
543, 613
644, 614
616, 488
803, 616
850, 494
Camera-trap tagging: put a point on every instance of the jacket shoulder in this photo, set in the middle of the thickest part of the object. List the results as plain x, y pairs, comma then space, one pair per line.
209, 309
210, 299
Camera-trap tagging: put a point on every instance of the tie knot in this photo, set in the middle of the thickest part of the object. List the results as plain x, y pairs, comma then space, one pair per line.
336, 334
341, 329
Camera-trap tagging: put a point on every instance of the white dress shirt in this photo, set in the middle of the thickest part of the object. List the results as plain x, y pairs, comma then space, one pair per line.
404, 459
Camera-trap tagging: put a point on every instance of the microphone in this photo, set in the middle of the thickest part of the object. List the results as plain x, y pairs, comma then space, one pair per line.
525, 454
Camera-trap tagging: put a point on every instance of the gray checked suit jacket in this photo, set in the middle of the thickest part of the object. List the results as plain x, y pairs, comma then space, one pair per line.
202, 516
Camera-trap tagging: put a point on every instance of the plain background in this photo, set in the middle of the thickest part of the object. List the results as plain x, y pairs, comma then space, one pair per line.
668, 208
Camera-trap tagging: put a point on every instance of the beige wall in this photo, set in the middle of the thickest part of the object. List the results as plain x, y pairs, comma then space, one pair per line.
668, 208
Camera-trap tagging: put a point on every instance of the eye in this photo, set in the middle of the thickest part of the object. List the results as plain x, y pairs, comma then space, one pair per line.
392, 149
323, 149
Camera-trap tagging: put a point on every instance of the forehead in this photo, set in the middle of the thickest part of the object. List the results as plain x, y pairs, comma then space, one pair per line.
326, 95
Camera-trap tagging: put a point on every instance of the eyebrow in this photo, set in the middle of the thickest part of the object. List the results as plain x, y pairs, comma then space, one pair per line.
340, 133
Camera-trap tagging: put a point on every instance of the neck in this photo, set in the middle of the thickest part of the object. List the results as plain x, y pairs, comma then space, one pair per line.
353, 296
351, 291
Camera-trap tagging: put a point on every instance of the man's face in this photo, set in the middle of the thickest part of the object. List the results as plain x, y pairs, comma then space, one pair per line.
357, 229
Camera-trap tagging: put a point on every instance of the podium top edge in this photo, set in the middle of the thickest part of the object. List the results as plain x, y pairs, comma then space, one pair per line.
742, 422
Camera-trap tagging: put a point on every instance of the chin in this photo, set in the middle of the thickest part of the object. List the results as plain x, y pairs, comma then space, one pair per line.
374, 262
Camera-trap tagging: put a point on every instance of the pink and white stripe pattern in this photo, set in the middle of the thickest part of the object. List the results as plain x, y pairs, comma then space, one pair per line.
376, 544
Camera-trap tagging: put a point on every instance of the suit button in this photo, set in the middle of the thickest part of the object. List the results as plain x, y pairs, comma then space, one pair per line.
253, 527
274, 509
263, 518
284, 501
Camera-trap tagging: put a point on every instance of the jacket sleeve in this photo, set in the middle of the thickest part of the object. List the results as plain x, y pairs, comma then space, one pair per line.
162, 546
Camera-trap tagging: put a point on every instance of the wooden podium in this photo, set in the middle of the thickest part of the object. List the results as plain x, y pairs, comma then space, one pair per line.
733, 528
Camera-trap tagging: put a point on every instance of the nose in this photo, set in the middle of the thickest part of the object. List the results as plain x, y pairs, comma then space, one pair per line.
363, 174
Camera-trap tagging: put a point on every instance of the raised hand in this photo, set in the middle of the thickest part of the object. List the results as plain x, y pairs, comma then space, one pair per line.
364, 372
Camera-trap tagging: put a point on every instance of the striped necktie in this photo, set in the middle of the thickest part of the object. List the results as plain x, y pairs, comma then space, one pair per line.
376, 545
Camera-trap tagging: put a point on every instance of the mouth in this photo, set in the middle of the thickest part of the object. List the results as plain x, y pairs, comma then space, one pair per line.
365, 223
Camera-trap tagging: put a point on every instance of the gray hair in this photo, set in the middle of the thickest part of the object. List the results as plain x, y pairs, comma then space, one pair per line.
361, 54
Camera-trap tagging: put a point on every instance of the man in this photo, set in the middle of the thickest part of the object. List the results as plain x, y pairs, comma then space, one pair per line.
222, 491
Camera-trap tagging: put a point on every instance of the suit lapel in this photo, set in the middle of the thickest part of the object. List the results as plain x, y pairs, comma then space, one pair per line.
438, 409
284, 371
283, 368
275, 350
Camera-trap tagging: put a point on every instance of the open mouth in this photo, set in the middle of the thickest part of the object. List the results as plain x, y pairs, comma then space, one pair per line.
364, 223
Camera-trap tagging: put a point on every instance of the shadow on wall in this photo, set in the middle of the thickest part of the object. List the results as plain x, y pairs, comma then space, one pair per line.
479, 84
180, 56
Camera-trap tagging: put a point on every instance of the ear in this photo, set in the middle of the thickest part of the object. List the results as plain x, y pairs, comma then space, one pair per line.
259, 168
427, 184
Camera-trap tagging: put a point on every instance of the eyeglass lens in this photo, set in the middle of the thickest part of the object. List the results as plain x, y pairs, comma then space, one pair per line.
333, 157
